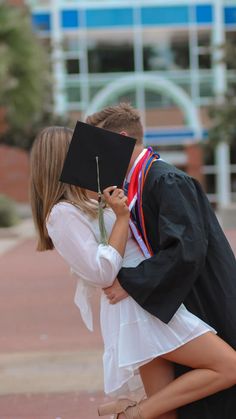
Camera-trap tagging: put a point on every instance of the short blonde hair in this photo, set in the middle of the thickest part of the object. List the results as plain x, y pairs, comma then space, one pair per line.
46, 161
122, 117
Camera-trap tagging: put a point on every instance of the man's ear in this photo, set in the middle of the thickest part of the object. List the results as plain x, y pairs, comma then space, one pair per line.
124, 133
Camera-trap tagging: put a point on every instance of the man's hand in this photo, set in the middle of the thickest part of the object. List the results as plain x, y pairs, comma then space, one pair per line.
115, 292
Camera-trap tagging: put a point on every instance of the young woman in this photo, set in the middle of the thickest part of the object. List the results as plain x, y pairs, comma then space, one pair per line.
135, 342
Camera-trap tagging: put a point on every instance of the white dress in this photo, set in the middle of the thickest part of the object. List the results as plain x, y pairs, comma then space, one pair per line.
131, 335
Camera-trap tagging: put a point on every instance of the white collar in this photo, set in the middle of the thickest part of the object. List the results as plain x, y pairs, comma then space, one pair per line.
135, 164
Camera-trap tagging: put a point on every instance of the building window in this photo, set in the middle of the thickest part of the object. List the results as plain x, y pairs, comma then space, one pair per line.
108, 57
71, 43
204, 50
210, 183
73, 93
72, 66
180, 52
230, 50
155, 100
206, 88
154, 58
165, 53
41, 21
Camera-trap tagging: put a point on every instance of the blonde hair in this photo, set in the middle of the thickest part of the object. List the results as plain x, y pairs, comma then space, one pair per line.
46, 161
122, 117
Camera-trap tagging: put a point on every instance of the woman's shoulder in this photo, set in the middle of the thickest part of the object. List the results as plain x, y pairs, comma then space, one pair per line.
62, 210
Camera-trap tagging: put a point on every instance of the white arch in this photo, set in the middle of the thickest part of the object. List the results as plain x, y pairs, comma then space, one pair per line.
153, 82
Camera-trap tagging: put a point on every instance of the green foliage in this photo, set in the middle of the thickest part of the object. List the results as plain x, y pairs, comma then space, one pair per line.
8, 213
223, 117
25, 88
25, 136
22, 66
223, 122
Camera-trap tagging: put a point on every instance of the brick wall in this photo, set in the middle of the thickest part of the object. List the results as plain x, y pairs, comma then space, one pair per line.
164, 117
16, 2
3, 124
14, 173
195, 161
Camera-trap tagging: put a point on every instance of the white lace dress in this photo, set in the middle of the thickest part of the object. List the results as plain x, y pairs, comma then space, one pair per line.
131, 335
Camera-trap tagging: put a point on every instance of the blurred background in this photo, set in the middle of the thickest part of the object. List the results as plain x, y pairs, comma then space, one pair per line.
175, 60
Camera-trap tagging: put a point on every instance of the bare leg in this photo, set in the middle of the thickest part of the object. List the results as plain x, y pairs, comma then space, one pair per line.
214, 363
156, 375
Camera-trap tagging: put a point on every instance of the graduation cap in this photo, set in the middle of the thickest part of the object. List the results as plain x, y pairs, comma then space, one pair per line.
97, 158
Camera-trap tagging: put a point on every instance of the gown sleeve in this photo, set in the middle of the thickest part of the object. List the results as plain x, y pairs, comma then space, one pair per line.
75, 241
161, 283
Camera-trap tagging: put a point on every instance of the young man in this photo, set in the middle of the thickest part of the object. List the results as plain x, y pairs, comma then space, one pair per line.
189, 258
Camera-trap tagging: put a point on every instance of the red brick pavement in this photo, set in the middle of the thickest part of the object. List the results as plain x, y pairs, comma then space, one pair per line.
36, 304
56, 406
37, 314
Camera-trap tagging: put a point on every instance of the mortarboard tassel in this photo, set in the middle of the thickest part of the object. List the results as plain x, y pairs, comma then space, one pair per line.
102, 228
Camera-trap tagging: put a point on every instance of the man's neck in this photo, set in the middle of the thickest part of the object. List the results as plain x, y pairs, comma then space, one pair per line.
137, 155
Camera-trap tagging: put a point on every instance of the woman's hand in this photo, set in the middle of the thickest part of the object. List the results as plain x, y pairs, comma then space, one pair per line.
117, 200
115, 292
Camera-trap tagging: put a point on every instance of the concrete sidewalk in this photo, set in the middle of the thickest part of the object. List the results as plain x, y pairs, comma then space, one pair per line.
11, 236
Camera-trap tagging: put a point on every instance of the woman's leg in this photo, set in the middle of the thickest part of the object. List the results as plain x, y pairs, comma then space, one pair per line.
156, 375
214, 369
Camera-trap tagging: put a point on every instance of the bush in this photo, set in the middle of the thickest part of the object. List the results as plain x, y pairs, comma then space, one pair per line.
8, 213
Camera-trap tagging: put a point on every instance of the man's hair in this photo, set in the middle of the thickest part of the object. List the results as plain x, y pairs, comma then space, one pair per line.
122, 117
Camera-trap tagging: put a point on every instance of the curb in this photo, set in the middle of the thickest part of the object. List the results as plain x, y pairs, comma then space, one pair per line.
12, 236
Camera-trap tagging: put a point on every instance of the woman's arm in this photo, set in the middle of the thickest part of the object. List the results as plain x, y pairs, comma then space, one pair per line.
75, 241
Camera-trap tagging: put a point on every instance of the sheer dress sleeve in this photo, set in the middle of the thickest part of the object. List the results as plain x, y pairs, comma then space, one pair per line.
94, 264
75, 241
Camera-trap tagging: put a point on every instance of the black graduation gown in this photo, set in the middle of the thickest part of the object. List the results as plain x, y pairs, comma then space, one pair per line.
192, 264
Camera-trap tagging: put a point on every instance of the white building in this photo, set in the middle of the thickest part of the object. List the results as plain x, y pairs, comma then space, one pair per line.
161, 56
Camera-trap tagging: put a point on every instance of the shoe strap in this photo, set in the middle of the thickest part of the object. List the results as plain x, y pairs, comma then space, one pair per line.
133, 412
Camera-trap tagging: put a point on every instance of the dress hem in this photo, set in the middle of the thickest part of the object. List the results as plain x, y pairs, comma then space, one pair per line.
136, 365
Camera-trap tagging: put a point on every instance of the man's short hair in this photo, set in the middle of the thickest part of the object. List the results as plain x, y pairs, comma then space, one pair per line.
122, 117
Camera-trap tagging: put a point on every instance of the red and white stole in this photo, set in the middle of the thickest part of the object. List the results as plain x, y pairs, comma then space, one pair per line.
135, 190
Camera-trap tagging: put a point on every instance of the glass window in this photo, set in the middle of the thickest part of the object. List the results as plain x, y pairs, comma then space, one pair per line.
157, 100
110, 51
231, 50
165, 50
154, 58
233, 154
204, 50
210, 182
72, 66
206, 89
108, 57
233, 182
73, 93
71, 44
180, 52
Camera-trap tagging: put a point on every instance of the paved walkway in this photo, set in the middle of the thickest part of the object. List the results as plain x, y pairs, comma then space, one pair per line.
50, 364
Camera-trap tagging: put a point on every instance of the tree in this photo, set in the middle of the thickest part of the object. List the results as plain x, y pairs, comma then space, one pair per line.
223, 117
25, 91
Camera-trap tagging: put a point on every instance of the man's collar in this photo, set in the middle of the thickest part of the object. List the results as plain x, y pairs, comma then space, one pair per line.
135, 164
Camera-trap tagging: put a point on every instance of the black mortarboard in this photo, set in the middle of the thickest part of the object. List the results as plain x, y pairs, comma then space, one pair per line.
112, 150
96, 159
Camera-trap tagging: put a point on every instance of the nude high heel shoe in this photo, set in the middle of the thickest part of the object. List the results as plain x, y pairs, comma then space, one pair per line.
130, 409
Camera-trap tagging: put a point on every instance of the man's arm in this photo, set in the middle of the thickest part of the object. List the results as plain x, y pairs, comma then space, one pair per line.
160, 284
